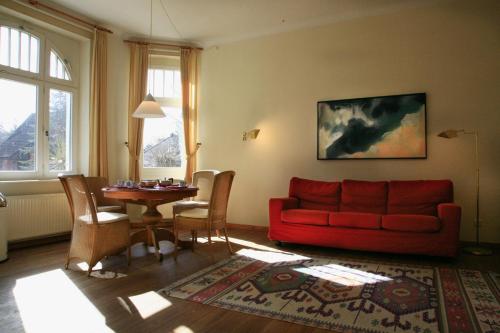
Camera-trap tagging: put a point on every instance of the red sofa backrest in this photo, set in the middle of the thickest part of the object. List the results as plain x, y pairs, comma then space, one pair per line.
314, 194
364, 196
418, 196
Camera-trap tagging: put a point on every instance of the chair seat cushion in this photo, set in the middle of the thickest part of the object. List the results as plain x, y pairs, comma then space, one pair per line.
411, 223
195, 213
355, 220
104, 217
109, 208
305, 216
189, 203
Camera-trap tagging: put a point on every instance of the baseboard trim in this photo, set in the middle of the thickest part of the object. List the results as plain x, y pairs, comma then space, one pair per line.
247, 227
489, 245
37, 241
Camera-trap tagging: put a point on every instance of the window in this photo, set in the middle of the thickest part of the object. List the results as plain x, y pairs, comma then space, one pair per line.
163, 138
37, 106
58, 67
19, 49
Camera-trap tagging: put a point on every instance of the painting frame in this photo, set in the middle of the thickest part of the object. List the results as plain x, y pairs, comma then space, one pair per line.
421, 97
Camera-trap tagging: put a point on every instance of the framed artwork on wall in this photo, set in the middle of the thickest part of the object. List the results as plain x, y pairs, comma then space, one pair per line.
372, 128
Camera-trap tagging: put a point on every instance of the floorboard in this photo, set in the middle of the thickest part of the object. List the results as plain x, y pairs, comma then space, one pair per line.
110, 297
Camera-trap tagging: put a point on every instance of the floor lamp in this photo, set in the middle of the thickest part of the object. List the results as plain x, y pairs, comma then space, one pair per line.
475, 249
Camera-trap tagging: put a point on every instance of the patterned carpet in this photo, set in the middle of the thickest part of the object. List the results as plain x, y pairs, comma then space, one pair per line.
345, 295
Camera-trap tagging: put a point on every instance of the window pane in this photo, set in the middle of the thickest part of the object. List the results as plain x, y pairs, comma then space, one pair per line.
177, 84
34, 54
169, 83
57, 67
18, 49
4, 46
158, 83
25, 51
18, 122
164, 140
14, 48
53, 64
60, 130
150, 80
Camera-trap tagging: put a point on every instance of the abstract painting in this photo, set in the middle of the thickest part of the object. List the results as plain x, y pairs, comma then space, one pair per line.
373, 127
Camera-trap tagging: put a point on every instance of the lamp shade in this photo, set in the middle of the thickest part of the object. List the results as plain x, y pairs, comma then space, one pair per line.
149, 108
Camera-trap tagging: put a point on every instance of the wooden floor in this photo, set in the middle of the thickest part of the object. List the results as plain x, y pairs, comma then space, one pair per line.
35, 289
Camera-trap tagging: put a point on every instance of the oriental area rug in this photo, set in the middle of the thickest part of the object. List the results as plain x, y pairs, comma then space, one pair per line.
345, 295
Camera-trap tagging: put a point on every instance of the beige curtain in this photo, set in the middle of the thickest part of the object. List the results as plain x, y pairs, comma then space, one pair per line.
189, 79
98, 151
137, 92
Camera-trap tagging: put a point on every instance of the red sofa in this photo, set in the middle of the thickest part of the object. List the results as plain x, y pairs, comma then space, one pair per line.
416, 217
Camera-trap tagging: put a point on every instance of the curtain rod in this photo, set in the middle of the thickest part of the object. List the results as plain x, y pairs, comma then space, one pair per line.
36, 3
161, 44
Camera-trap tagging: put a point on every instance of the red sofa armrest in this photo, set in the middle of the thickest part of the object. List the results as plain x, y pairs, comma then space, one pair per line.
276, 205
450, 215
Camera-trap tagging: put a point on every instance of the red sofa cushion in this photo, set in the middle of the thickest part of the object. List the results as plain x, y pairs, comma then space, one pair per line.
355, 220
305, 216
364, 196
418, 196
411, 223
313, 194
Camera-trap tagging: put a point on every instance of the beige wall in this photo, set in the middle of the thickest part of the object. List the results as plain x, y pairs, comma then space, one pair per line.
450, 51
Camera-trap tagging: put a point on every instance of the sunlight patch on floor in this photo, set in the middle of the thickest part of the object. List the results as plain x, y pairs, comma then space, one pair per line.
271, 257
99, 273
149, 303
241, 242
342, 275
51, 302
182, 329
84, 266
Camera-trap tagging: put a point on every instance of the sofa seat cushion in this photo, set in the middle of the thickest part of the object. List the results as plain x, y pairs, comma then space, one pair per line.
314, 194
355, 220
364, 196
420, 197
305, 216
411, 223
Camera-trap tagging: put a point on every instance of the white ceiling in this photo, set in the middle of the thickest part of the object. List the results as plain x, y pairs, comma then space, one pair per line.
209, 22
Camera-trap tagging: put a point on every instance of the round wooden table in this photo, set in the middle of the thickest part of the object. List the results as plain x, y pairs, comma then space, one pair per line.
152, 229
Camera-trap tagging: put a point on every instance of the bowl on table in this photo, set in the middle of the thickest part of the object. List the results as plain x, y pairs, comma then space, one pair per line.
148, 183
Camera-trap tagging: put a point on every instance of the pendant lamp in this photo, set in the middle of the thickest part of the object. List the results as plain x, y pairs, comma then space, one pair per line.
149, 107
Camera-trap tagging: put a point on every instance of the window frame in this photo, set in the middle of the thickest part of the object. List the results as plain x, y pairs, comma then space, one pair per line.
71, 82
44, 83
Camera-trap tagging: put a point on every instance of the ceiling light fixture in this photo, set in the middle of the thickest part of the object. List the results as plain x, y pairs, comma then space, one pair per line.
149, 107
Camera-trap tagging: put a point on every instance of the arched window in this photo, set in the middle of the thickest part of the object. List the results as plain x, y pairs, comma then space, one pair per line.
19, 49
37, 104
57, 66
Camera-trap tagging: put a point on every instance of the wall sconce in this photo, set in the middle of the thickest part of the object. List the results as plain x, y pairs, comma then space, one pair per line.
251, 135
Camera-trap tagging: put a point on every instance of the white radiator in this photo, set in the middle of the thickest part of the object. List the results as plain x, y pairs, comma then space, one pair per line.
30, 216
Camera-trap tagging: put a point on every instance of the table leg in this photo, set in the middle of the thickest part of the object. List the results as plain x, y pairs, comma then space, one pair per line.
151, 215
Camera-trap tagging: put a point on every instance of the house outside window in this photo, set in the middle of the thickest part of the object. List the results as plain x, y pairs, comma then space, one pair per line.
163, 138
37, 105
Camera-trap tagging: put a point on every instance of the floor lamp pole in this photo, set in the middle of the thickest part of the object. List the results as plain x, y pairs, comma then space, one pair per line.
477, 249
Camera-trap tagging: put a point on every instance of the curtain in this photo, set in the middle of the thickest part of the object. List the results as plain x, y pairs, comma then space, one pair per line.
189, 79
137, 92
98, 151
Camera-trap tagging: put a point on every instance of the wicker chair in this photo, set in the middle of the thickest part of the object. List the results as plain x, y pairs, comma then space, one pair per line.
204, 180
211, 218
95, 234
102, 203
